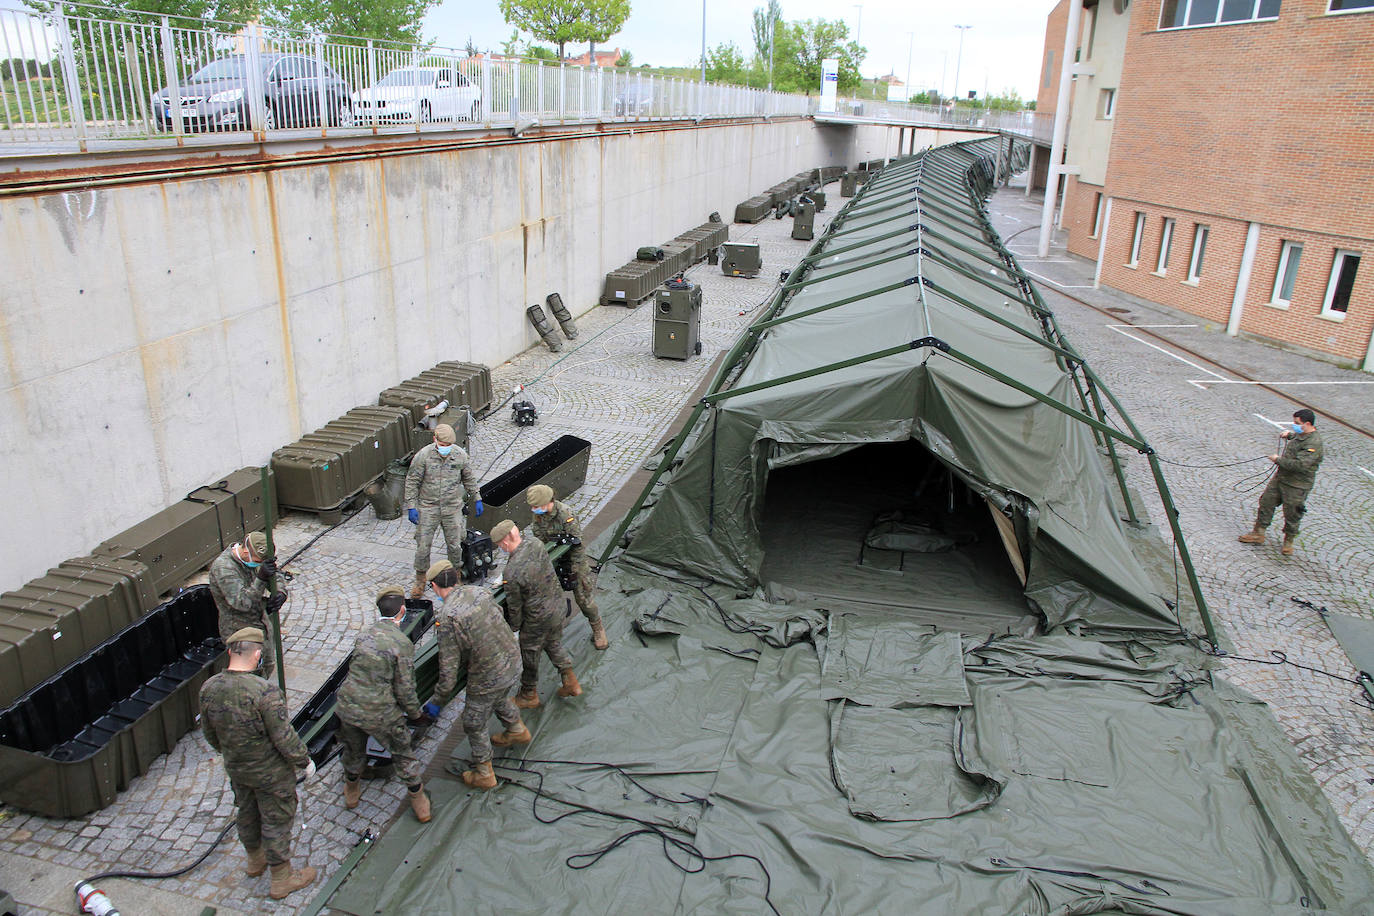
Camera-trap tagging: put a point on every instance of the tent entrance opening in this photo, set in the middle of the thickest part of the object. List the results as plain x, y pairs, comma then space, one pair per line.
888, 525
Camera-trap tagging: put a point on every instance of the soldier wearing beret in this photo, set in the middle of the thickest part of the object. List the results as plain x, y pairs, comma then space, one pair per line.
534, 607
378, 698
439, 476
555, 523
238, 583
244, 717
474, 638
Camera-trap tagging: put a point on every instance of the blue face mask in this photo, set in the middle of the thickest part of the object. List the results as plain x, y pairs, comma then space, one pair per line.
250, 564
443, 449
1297, 429
539, 510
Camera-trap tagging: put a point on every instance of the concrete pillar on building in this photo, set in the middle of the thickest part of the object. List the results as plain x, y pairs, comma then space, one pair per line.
1369, 355
1030, 168
1061, 125
1102, 229
1247, 266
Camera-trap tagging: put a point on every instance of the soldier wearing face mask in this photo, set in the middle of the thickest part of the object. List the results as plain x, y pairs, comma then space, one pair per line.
1294, 476
439, 477
238, 583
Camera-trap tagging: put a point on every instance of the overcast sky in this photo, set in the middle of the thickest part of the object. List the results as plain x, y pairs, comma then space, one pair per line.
1001, 51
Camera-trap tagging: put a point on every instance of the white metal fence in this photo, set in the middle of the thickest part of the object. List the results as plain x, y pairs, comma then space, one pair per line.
72, 76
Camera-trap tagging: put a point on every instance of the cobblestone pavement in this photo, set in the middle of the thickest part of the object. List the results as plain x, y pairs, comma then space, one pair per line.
606, 387
1250, 589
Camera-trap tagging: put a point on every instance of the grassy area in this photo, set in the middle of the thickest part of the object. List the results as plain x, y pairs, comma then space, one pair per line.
32, 102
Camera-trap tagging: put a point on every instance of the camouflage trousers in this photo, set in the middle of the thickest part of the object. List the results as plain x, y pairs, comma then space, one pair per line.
265, 815
1293, 500
230, 624
477, 712
394, 737
584, 588
432, 518
542, 638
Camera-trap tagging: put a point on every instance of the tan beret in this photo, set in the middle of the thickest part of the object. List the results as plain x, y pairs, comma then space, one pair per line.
389, 591
248, 634
257, 542
437, 568
539, 495
501, 530
443, 434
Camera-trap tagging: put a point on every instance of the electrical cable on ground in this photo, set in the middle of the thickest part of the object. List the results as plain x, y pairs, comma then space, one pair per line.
149, 875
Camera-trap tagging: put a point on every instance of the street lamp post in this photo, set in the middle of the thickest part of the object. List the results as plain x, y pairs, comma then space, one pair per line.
959, 59
772, 30
910, 39
703, 41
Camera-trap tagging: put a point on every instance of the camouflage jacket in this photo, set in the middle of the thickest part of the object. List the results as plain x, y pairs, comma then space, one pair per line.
439, 480
381, 678
557, 522
473, 637
244, 718
238, 593
533, 594
1299, 461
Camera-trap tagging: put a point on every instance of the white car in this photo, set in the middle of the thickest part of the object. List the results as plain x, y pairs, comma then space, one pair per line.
419, 94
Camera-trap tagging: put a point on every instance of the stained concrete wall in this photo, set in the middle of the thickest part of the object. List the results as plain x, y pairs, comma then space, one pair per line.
158, 336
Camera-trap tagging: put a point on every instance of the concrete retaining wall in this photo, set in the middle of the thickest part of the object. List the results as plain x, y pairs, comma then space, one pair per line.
158, 336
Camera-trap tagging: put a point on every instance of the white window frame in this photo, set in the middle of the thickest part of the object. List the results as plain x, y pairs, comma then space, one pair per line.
1097, 215
1337, 262
1166, 241
1359, 9
1290, 259
1106, 105
1200, 234
1137, 239
1221, 5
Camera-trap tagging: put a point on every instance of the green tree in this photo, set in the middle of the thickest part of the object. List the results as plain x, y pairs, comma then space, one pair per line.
799, 48
554, 21
385, 20
725, 64
603, 18
626, 59
766, 20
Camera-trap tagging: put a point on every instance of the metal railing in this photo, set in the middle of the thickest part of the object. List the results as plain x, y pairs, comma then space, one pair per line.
73, 74
1030, 124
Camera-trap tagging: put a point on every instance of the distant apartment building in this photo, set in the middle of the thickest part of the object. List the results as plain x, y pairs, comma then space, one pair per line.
1220, 160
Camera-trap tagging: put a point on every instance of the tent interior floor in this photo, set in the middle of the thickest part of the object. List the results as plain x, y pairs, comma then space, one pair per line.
816, 517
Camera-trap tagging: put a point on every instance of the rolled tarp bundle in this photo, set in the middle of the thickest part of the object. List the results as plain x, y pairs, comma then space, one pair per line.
535, 313
562, 315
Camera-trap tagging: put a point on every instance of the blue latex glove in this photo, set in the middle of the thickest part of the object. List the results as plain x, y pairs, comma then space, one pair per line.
477, 508
414, 516
431, 709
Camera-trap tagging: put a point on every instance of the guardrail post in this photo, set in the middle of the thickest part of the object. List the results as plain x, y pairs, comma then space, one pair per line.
486, 90
255, 91
169, 67
321, 100
415, 83
562, 91
539, 88
515, 73
75, 110
372, 81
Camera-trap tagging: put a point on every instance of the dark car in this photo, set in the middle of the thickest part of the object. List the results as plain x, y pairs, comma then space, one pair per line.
215, 96
635, 101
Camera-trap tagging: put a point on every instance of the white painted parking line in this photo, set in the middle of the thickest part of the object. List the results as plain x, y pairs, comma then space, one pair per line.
1055, 282
1155, 325
1249, 382
1118, 329
1274, 423
1365, 469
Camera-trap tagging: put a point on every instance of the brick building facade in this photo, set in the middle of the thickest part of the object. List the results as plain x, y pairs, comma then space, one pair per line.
1240, 157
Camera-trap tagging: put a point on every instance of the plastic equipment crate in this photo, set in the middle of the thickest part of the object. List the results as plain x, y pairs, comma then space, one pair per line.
188, 534
72, 743
562, 464
325, 469
633, 283
753, 209
453, 381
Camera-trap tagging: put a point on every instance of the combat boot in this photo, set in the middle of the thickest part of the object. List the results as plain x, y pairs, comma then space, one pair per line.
257, 862
419, 803
287, 880
353, 792
1287, 548
527, 698
516, 734
1254, 536
481, 776
570, 686
421, 583
599, 640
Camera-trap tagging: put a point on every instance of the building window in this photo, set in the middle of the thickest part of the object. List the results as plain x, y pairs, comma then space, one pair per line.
1139, 236
1289, 256
1343, 270
1182, 14
1106, 104
1199, 249
1097, 215
1350, 6
1166, 240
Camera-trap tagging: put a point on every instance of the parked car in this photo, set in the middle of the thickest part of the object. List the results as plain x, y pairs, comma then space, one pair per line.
420, 93
213, 98
635, 101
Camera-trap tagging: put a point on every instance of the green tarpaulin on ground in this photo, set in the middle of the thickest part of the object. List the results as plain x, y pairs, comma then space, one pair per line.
754, 743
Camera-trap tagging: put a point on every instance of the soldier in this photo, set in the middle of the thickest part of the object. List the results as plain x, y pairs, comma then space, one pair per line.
534, 607
238, 583
473, 636
1296, 474
555, 523
244, 718
378, 698
439, 475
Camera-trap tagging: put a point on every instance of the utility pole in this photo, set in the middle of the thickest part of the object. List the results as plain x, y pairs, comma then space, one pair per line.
959, 59
703, 41
772, 30
910, 39
858, 33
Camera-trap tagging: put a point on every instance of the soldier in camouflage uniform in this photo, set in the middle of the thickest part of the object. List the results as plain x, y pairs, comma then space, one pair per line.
534, 607
439, 475
474, 637
555, 523
244, 718
377, 698
238, 583
1295, 476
